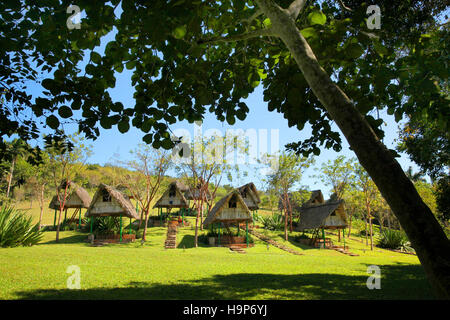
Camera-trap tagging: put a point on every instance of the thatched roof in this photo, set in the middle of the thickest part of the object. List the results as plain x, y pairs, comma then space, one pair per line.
212, 216
193, 194
123, 188
121, 199
77, 197
312, 217
250, 189
316, 197
179, 189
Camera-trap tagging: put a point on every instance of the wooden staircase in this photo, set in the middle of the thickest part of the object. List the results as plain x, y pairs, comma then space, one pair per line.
274, 243
237, 249
171, 238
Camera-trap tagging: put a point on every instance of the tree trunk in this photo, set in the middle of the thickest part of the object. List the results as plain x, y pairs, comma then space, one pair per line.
285, 217
41, 205
145, 226
426, 235
196, 228
10, 177
365, 233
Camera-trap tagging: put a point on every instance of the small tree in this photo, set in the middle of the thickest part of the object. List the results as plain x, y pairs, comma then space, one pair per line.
369, 191
150, 166
66, 156
337, 174
209, 160
284, 178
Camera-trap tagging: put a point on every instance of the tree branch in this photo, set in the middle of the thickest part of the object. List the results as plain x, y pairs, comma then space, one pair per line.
343, 6
239, 37
295, 7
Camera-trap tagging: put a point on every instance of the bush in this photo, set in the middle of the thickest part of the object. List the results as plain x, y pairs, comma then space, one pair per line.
394, 239
106, 225
273, 222
17, 229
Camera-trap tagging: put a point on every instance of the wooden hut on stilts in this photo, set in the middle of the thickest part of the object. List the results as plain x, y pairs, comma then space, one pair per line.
230, 210
173, 197
318, 215
77, 198
109, 201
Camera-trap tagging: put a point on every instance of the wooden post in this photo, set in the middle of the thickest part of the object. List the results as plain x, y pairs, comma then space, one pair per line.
238, 227
182, 217
246, 231
219, 236
120, 228
323, 236
79, 220
129, 231
339, 235
65, 217
343, 236
92, 221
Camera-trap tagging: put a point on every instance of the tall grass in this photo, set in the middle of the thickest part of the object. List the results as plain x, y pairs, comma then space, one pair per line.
17, 229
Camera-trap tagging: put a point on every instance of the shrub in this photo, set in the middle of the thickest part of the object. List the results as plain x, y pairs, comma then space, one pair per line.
106, 225
273, 222
17, 229
394, 239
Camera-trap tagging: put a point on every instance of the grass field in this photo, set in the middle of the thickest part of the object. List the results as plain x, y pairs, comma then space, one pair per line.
132, 271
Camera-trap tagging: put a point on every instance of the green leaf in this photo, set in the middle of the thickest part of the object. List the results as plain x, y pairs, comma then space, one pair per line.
317, 17
130, 64
95, 57
52, 122
123, 126
309, 32
167, 144
179, 32
65, 112
354, 50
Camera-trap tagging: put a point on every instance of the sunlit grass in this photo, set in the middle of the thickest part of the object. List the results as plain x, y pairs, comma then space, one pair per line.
135, 271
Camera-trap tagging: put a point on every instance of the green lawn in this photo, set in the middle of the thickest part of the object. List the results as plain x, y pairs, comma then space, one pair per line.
132, 271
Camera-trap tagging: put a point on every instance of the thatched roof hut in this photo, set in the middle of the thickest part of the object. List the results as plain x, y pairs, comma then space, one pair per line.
173, 197
77, 197
250, 195
109, 201
329, 215
229, 209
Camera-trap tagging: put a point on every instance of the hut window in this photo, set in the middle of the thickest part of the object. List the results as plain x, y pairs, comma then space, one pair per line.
233, 202
244, 193
106, 196
172, 192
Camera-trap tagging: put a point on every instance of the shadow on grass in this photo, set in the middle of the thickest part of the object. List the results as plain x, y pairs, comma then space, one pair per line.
397, 282
187, 242
78, 238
